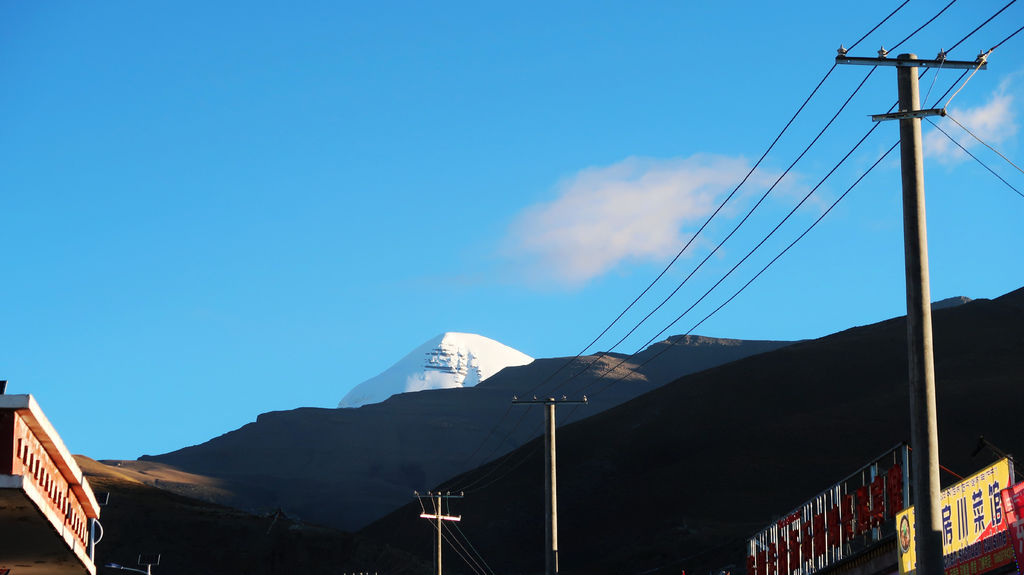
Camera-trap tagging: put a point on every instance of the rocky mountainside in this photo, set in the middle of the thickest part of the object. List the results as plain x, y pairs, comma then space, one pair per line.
348, 467
679, 477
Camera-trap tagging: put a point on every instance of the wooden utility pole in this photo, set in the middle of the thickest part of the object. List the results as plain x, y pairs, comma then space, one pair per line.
436, 499
550, 479
924, 435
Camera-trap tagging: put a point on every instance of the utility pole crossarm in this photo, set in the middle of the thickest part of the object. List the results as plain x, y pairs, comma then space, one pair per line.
940, 61
441, 517
951, 64
909, 115
547, 401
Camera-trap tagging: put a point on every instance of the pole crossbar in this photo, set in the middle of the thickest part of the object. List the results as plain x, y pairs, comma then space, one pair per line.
909, 115
903, 63
442, 517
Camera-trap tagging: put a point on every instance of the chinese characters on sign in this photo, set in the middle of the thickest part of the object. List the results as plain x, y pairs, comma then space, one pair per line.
1013, 508
974, 536
841, 521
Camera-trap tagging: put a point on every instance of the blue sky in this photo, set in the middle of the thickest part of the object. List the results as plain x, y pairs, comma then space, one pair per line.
212, 211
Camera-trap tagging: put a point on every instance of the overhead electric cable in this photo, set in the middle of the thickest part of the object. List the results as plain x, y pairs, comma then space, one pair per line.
761, 243
770, 263
508, 434
921, 27
982, 25
884, 20
751, 211
491, 433
1008, 37
729, 197
694, 236
472, 548
976, 159
982, 142
525, 458
671, 342
459, 553
686, 246
769, 148
734, 230
498, 463
478, 567
982, 58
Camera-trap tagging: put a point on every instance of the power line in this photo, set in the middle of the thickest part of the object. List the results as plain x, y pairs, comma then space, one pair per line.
770, 263
508, 434
511, 455
982, 25
672, 343
1008, 37
678, 287
471, 560
472, 548
489, 435
976, 158
727, 237
459, 553
1000, 154
694, 236
687, 245
727, 199
921, 27
891, 14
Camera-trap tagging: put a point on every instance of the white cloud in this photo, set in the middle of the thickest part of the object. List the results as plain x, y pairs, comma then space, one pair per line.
635, 210
994, 122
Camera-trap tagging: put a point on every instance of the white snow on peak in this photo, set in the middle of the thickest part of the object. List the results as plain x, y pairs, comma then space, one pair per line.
446, 361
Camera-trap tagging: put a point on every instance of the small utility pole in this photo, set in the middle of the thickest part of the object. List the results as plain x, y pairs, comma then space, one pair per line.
550, 488
924, 435
436, 499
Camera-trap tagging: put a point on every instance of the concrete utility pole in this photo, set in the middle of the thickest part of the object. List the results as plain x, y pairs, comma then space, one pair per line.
550, 487
436, 498
924, 435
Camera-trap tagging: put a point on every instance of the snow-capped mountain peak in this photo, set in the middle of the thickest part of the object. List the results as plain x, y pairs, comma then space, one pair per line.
448, 360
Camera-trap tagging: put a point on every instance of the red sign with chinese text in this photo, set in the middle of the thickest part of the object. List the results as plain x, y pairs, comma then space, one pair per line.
1013, 508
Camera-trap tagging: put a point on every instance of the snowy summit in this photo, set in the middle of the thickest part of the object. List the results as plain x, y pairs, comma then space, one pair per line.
448, 360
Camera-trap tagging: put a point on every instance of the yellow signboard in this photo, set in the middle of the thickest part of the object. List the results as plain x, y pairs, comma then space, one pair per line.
971, 514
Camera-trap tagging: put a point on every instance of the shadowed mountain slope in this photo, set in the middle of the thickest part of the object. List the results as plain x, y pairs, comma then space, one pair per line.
205, 539
347, 467
679, 477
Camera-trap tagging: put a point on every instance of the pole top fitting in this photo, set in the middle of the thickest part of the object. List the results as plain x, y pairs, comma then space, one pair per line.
882, 52
842, 51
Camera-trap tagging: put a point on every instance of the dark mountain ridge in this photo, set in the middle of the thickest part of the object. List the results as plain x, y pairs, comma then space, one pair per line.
347, 467
679, 477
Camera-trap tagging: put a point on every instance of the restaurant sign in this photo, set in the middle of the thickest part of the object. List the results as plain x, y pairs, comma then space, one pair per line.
841, 521
973, 527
